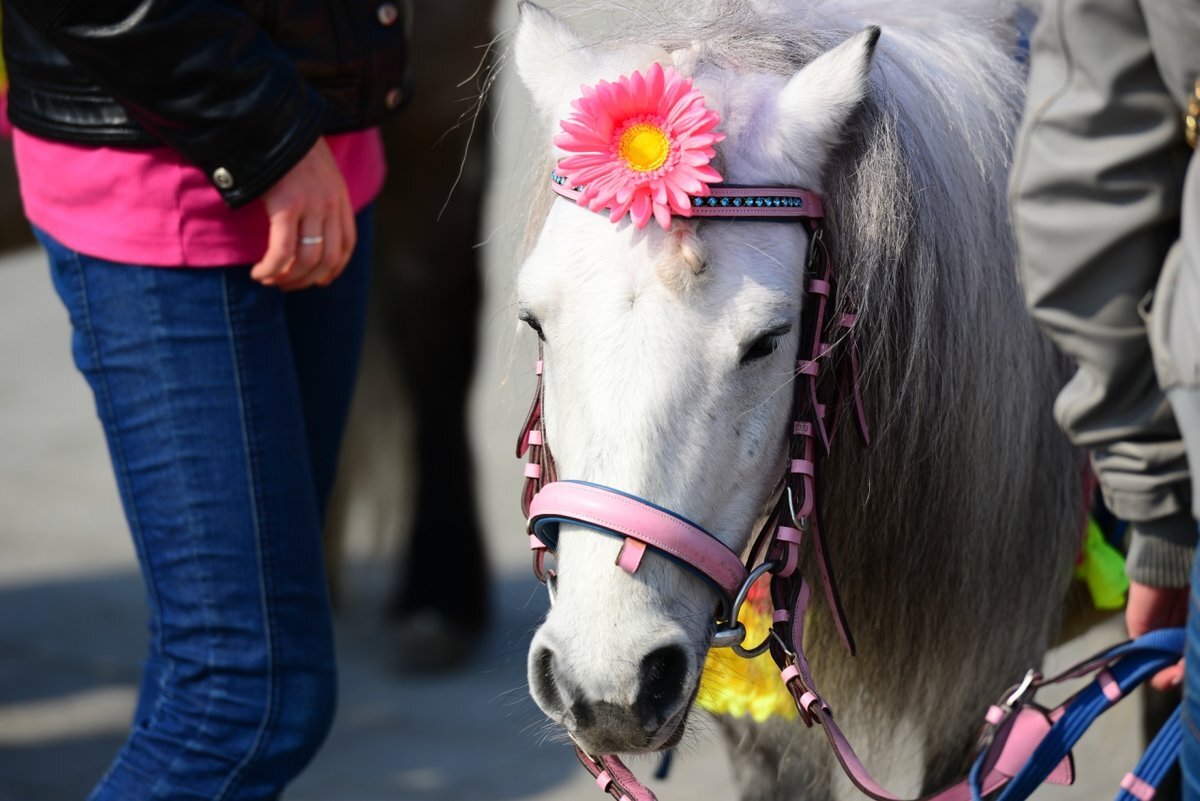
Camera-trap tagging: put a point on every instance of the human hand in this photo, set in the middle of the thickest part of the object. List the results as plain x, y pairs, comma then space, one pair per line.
312, 225
1150, 608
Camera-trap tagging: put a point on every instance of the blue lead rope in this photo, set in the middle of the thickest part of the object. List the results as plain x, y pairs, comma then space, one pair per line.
1160, 756
1130, 665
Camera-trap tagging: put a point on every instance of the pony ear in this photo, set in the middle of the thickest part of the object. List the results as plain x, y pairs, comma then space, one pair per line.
547, 53
815, 106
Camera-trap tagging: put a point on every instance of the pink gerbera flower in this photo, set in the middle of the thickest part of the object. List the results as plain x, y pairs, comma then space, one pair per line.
640, 146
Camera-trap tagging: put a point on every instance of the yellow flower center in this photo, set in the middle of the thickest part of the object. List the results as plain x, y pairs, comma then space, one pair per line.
644, 147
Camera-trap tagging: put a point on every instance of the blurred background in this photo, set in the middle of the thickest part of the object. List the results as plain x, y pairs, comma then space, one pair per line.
428, 558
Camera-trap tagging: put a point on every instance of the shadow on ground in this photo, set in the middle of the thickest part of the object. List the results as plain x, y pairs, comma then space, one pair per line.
69, 674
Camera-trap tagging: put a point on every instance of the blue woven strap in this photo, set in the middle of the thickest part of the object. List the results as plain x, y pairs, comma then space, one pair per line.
1160, 756
1129, 665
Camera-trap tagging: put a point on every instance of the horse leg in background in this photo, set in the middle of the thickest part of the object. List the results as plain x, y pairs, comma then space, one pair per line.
14, 230
428, 278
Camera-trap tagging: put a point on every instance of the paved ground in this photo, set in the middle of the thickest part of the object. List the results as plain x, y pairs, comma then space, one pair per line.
71, 622
71, 614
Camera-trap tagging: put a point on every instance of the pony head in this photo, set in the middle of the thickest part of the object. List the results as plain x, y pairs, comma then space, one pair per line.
669, 352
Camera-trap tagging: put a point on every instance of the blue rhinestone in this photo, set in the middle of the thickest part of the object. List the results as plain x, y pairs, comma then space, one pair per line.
724, 201
696, 201
712, 201
737, 201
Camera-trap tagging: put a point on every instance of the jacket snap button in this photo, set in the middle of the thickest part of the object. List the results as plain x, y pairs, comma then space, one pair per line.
223, 178
392, 98
387, 14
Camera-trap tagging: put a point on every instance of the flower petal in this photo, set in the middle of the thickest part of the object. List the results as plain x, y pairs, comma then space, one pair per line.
641, 209
662, 213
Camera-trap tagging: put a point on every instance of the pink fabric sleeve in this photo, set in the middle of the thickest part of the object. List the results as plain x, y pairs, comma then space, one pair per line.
150, 207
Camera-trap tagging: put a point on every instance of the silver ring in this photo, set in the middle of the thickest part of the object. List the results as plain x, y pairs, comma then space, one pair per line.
311, 240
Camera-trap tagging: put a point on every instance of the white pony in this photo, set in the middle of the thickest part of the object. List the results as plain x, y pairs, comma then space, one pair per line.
669, 356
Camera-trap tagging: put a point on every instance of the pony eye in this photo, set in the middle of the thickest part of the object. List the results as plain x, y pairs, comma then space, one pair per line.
765, 344
760, 348
533, 322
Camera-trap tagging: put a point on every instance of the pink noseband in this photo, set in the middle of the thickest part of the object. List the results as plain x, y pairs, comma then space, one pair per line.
642, 524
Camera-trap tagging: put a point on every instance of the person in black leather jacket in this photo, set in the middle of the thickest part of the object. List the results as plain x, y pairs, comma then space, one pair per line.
244, 90
202, 174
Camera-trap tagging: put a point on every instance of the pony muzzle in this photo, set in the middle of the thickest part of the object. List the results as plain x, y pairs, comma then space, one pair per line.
651, 718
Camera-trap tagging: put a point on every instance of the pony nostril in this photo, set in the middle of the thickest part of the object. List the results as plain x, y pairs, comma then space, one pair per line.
545, 688
662, 677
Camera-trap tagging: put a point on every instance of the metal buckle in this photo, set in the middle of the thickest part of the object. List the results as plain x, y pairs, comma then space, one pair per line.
734, 633
729, 637
807, 716
802, 523
1018, 694
1013, 699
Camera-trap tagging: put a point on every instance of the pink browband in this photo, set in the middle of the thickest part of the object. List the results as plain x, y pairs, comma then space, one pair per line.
736, 202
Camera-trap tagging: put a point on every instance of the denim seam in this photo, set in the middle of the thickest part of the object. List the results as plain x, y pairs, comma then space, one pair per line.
252, 474
104, 397
194, 742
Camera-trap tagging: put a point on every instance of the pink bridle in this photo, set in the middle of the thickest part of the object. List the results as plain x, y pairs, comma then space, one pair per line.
547, 502
825, 382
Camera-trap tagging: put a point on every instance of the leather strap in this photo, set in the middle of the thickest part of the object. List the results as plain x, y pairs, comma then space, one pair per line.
613, 777
733, 202
641, 523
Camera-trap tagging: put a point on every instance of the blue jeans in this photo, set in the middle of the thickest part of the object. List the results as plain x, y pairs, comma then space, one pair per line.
223, 403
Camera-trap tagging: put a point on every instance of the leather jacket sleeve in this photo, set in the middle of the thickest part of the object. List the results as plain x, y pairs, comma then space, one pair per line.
201, 75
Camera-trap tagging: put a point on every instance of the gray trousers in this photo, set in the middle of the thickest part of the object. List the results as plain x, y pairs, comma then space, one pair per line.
1098, 202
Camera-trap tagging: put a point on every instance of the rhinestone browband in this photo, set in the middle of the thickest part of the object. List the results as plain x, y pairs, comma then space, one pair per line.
763, 203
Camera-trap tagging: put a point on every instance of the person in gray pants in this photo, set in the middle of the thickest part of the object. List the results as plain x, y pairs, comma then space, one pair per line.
1106, 209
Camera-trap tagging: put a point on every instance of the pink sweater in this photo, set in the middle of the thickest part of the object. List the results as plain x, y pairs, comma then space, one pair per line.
151, 207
